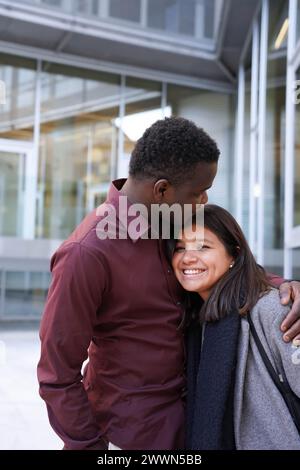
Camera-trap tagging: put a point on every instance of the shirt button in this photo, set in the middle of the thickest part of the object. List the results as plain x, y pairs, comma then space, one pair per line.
169, 271
178, 303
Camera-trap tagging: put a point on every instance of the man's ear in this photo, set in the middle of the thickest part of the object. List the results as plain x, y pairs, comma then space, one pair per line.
159, 190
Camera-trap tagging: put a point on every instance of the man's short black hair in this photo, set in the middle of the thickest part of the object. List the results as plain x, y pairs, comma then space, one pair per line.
170, 149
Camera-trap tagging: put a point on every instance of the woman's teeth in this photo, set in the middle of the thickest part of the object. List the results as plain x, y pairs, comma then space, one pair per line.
193, 271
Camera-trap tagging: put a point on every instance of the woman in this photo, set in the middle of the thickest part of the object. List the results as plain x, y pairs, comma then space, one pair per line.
232, 400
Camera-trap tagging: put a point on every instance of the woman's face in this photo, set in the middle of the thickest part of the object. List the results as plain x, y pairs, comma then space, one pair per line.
199, 264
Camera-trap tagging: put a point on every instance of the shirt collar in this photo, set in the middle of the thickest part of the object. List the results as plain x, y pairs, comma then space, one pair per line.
122, 210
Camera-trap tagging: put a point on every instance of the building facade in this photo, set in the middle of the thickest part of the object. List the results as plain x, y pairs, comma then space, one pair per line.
80, 80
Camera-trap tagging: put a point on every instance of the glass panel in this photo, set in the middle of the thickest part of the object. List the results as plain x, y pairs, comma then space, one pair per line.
278, 25
17, 114
142, 109
274, 169
192, 18
78, 146
297, 159
296, 264
202, 107
11, 193
189, 17
172, 15
128, 10
25, 293
275, 139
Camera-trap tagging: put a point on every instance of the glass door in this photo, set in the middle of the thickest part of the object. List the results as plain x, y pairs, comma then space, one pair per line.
16, 189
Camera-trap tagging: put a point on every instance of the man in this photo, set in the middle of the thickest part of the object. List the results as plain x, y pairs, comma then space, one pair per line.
117, 302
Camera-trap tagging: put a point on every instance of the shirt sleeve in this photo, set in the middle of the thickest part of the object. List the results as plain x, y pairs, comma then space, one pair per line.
275, 280
73, 302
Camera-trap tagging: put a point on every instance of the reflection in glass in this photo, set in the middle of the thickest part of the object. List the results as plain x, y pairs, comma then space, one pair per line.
202, 107
12, 167
296, 263
128, 10
275, 140
142, 109
17, 114
25, 293
278, 24
77, 146
188, 17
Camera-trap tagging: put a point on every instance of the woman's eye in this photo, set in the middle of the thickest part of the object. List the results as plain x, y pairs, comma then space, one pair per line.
179, 249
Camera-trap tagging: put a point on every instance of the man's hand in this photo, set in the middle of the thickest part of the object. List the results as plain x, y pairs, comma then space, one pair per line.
290, 291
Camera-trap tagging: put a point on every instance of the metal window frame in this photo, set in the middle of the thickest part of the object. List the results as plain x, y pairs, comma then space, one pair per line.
25, 148
291, 233
261, 143
253, 137
239, 154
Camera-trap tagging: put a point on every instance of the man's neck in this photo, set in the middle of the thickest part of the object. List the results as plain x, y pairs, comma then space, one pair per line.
135, 191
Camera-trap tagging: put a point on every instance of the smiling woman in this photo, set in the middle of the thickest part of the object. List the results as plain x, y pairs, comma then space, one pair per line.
229, 388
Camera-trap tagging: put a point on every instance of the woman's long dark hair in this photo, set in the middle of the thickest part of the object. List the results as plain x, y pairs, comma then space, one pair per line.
241, 287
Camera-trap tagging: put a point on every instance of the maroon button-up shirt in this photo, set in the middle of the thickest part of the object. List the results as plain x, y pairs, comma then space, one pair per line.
118, 303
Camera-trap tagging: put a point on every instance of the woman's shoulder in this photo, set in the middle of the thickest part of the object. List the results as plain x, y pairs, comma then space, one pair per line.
268, 310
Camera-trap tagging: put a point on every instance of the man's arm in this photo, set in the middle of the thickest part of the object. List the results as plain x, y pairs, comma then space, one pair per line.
74, 297
290, 292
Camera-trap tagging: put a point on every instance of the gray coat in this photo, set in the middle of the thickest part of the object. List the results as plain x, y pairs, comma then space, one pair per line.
261, 417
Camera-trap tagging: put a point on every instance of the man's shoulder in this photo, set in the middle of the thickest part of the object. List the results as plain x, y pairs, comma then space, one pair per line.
86, 234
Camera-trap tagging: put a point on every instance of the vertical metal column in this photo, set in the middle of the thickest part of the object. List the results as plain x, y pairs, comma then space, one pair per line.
239, 149
253, 138
32, 164
289, 142
262, 129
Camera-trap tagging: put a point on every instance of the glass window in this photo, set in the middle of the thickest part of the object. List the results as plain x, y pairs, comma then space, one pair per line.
128, 10
296, 263
176, 16
17, 113
77, 146
275, 139
198, 18
59, 4
12, 166
202, 107
278, 25
25, 293
142, 109
274, 168
297, 159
